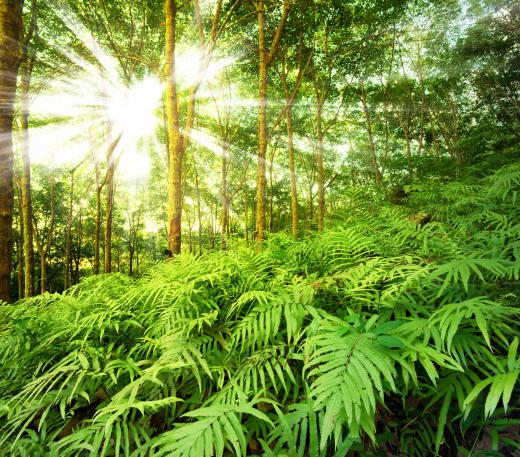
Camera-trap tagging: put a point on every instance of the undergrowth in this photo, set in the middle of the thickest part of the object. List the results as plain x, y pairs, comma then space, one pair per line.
393, 332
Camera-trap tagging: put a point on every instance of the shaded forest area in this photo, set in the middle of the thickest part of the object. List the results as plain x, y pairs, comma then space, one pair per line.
259, 227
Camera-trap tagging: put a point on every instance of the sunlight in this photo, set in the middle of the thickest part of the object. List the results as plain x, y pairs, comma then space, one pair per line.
132, 110
207, 141
189, 67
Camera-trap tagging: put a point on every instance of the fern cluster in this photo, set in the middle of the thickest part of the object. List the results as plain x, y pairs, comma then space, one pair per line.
386, 334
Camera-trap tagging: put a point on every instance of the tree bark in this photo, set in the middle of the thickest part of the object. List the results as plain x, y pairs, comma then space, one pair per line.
292, 173
45, 244
20, 249
261, 179
319, 159
373, 157
27, 212
109, 203
97, 233
224, 217
77, 257
68, 238
27, 64
175, 140
10, 35
265, 58
199, 211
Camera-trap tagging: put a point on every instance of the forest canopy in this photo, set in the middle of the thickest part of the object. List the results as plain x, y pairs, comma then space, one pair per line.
259, 227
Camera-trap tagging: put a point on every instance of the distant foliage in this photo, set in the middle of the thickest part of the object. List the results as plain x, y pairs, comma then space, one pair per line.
387, 334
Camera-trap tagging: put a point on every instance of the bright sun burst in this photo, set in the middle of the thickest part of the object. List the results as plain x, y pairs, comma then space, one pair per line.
80, 114
132, 110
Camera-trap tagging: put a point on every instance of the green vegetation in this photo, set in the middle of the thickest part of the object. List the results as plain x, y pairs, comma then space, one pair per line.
287, 228
393, 332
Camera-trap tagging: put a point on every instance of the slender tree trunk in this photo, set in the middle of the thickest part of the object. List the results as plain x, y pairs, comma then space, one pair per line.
292, 172
20, 250
97, 232
406, 130
68, 238
21, 288
311, 202
27, 213
77, 259
224, 217
43, 272
109, 203
319, 158
131, 261
373, 156
265, 58
190, 233
261, 180
175, 139
320, 174
199, 211
10, 35
45, 245
271, 196
246, 214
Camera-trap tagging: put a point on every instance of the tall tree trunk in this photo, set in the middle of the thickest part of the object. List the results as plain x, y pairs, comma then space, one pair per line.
262, 125
320, 171
27, 212
292, 172
289, 103
311, 202
224, 199
45, 245
43, 272
177, 142
246, 221
109, 202
175, 139
320, 101
265, 58
373, 157
271, 192
21, 288
77, 258
68, 237
131, 260
97, 232
199, 211
20, 249
10, 35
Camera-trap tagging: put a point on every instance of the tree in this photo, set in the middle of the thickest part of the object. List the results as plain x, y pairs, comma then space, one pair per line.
27, 66
177, 140
266, 56
109, 200
45, 234
290, 94
10, 56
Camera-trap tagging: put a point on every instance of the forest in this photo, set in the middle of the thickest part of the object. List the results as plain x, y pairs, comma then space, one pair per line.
287, 228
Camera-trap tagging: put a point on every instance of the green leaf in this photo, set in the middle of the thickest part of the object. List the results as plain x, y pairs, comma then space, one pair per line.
390, 341
443, 416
